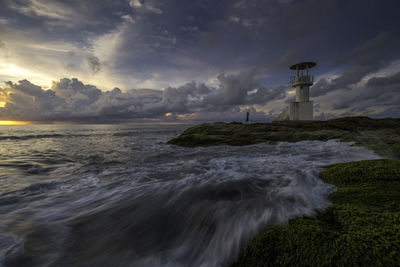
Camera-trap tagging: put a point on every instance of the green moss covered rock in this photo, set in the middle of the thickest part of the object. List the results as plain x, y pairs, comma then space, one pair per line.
360, 228
380, 135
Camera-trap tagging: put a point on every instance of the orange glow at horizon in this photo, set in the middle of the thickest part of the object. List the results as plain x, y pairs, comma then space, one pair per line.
14, 122
168, 114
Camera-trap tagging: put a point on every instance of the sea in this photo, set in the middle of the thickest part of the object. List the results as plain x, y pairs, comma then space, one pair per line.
119, 195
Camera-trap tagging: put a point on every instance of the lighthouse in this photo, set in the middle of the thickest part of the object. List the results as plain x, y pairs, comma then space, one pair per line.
302, 108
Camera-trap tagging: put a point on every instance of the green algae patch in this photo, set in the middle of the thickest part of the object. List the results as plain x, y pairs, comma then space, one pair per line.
380, 135
360, 228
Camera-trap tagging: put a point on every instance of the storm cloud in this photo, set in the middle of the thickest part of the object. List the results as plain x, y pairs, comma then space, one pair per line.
377, 92
94, 63
366, 59
73, 101
202, 59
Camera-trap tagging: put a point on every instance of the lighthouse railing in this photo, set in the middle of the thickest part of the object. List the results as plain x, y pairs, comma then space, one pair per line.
302, 79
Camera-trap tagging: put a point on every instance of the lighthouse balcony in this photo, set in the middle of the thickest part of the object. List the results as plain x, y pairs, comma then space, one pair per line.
302, 80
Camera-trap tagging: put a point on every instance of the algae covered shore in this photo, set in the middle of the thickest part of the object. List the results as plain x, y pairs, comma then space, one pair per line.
361, 227
380, 135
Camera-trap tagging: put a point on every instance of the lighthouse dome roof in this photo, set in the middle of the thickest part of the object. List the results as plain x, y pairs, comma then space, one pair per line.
303, 65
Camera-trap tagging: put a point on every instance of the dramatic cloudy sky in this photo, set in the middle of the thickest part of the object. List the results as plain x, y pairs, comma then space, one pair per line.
174, 60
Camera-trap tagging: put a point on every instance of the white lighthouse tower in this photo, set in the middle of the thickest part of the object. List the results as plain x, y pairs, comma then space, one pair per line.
302, 108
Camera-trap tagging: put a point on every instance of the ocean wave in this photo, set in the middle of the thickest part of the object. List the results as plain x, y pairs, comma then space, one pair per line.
39, 136
136, 133
167, 205
10, 245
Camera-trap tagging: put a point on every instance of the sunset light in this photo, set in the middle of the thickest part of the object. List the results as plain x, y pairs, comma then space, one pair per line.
13, 70
14, 122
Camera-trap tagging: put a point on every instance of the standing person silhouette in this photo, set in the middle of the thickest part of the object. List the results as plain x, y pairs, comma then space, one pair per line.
247, 116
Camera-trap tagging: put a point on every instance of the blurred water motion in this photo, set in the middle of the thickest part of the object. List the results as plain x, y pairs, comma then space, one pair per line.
106, 195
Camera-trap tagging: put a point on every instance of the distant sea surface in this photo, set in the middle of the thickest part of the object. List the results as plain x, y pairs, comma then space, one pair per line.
118, 195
